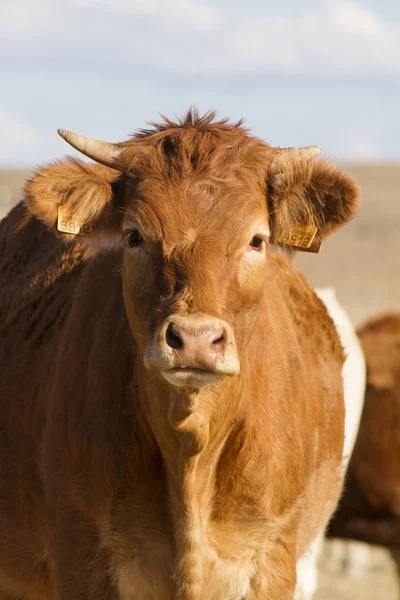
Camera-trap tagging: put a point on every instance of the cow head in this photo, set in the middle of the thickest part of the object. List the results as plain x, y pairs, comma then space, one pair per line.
198, 207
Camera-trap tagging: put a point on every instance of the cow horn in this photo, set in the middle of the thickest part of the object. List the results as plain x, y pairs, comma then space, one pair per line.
102, 152
284, 154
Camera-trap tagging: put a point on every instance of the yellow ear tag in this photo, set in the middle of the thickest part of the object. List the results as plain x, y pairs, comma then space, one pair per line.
66, 223
301, 237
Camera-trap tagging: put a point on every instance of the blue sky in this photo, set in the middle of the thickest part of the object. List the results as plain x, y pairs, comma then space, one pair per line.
300, 73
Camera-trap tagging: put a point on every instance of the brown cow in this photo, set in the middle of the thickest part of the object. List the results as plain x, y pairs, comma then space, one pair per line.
370, 508
172, 402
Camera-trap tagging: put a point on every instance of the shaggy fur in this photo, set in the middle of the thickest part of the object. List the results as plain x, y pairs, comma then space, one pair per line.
86, 189
116, 484
306, 192
312, 192
370, 508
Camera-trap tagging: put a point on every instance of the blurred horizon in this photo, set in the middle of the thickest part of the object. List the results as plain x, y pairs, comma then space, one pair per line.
323, 72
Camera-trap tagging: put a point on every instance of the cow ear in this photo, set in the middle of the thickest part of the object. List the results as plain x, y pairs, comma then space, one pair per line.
308, 197
77, 198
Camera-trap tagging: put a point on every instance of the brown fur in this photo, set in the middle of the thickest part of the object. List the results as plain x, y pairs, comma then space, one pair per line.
370, 508
114, 483
303, 192
331, 197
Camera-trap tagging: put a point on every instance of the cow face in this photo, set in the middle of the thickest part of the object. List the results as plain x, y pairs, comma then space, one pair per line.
195, 259
198, 207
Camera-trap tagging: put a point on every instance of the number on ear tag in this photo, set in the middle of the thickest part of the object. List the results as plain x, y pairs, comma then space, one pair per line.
66, 223
301, 237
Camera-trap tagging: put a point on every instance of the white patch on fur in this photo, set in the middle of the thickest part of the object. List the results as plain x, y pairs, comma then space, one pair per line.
354, 370
354, 380
307, 571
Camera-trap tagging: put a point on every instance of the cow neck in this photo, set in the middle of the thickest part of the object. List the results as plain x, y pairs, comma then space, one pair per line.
190, 428
192, 432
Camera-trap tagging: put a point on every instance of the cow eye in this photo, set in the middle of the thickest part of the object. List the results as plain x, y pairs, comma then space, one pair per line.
134, 239
257, 242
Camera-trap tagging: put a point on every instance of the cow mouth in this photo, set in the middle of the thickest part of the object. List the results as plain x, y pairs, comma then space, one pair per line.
191, 377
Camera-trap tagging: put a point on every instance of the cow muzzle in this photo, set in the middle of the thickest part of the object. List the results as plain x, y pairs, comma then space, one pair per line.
193, 351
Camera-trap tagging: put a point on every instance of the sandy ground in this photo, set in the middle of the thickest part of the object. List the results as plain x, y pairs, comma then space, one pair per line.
363, 263
356, 571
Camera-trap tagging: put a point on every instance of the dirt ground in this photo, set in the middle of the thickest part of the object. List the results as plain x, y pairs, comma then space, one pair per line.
363, 263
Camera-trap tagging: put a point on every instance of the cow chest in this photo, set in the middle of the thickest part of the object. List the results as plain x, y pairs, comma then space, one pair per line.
150, 572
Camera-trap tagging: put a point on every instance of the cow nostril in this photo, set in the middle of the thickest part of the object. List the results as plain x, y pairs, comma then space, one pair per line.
173, 340
219, 340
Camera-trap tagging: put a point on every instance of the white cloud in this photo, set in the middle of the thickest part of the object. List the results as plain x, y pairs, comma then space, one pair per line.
31, 18
23, 20
190, 13
117, 62
353, 18
335, 38
339, 38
